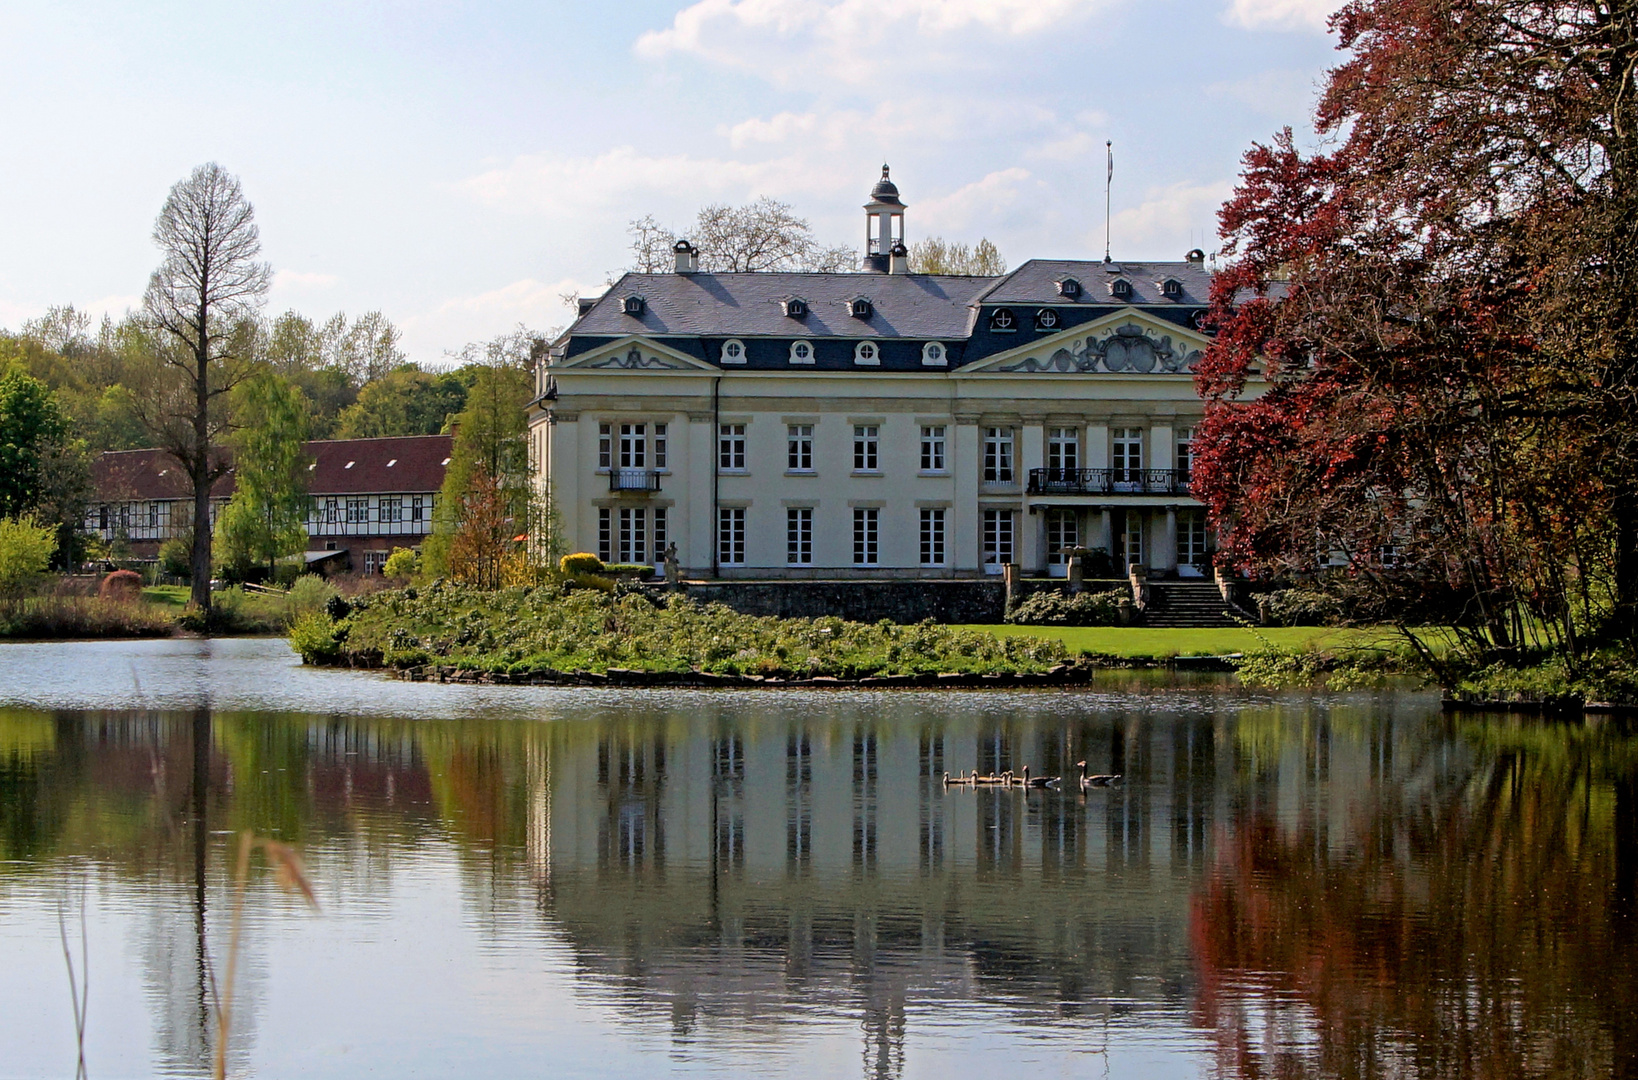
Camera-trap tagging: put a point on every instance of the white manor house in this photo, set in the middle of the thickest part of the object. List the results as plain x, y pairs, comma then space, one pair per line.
880, 424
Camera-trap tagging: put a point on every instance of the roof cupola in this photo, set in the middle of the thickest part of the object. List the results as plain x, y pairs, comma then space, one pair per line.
884, 224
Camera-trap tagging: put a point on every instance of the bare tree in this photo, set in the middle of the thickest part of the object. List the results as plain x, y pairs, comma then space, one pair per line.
202, 300
935, 255
761, 235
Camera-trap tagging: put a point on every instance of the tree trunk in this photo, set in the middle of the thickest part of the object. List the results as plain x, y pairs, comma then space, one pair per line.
200, 593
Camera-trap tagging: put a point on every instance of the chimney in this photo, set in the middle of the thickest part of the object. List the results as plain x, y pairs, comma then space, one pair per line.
898, 259
688, 257
1195, 257
584, 304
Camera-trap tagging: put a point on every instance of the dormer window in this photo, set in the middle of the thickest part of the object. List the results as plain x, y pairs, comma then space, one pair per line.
795, 307
866, 352
1069, 288
1171, 289
859, 308
733, 351
1003, 321
933, 355
1121, 289
801, 352
633, 306
1047, 320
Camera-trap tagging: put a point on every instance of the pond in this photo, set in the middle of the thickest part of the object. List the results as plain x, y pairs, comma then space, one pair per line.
591, 883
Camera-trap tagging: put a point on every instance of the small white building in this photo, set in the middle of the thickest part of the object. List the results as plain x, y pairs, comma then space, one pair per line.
880, 424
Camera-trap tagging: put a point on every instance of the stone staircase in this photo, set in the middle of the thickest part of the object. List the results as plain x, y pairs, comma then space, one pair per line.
1186, 603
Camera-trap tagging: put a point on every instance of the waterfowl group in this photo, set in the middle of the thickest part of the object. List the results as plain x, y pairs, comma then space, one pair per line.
1005, 779
1095, 779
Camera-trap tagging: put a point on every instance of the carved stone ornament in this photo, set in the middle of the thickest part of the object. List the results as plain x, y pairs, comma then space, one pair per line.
1129, 348
634, 359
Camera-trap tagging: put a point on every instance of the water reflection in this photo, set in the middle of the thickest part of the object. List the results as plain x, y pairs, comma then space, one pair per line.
1296, 889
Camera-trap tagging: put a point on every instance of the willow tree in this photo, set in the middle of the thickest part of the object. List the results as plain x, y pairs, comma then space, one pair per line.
199, 302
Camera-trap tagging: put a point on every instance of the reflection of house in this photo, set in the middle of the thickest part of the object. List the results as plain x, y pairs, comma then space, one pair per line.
881, 424
368, 496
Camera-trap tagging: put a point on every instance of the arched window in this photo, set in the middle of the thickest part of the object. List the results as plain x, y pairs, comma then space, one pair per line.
933, 354
801, 352
1047, 319
1003, 321
733, 351
866, 352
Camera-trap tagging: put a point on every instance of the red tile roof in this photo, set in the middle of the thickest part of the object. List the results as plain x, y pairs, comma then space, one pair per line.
409, 464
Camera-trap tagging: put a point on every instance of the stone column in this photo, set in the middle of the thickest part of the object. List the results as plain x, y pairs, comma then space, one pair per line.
1166, 557
1105, 537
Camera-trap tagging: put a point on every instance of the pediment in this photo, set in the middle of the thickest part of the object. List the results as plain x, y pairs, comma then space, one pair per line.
1125, 342
634, 353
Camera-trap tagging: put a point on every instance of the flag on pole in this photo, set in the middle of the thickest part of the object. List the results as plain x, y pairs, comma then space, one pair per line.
1111, 148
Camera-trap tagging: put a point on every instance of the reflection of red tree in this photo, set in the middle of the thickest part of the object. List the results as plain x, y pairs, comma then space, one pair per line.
1482, 950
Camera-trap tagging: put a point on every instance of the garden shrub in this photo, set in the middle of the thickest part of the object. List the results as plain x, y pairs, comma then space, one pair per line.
176, 557
1300, 607
579, 580
402, 563
122, 586
308, 595
1053, 608
640, 570
313, 635
25, 552
581, 562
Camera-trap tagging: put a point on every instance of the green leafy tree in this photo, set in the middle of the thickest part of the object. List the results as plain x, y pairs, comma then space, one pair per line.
490, 441
31, 421
25, 552
935, 255
266, 517
406, 401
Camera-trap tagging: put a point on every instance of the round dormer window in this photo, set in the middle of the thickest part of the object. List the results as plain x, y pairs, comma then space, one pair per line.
933, 354
865, 352
1003, 320
801, 352
1047, 319
733, 351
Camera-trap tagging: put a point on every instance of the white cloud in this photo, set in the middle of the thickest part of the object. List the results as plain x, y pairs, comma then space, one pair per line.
794, 42
1077, 147
1283, 93
301, 281
1280, 14
536, 304
1170, 220
978, 204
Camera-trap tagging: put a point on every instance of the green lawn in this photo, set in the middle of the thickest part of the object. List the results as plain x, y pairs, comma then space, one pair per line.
166, 595
1139, 641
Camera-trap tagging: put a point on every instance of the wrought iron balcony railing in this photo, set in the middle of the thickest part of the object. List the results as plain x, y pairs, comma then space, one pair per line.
1108, 481
634, 480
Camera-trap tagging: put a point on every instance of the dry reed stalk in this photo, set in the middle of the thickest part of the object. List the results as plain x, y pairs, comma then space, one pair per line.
80, 992
291, 874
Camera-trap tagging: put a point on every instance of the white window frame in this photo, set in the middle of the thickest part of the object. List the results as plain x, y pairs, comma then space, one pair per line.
1000, 455
1000, 539
1192, 539
933, 552
797, 346
867, 532
934, 449
799, 536
1063, 448
660, 435
633, 446
358, 510
1063, 529
392, 509
799, 448
633, 535
1132, 536
605, 446
934, 354
605, 534
730, 536
731, 448
659, 534
728, 354
1183, 462
867, 448
1126, 456
867, 354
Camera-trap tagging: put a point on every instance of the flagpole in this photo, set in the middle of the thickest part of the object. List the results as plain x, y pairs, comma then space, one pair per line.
1108, 181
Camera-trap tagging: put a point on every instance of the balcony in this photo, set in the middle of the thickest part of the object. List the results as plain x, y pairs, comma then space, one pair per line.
1108, 481
635, 480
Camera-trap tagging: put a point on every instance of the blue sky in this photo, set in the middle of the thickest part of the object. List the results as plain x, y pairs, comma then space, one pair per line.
460, 166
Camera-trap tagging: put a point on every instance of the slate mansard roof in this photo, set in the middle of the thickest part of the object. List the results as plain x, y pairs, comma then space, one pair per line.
412, 464
695, 313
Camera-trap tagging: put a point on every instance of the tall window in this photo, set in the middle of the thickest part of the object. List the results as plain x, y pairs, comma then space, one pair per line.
932, 536
1063, 449
998, 455
866, 446
153, 515
799, 536
605, 534
1133, 538
1191, 539
633, 440
605, 447
866, 531
1185, 453
997, 540
1063, 532
418, 508
660, 538
731, 536
659, 446
633, 534
1127, 456
731, 448
932, 448
799, 448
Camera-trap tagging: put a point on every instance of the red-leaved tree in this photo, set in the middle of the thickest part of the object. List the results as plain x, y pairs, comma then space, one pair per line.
1441, 306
